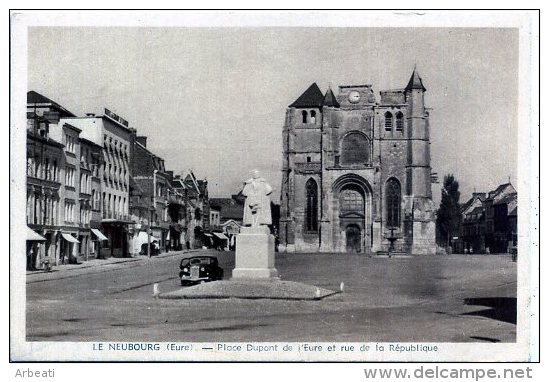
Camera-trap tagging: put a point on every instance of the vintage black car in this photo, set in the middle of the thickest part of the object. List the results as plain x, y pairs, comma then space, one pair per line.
199, 269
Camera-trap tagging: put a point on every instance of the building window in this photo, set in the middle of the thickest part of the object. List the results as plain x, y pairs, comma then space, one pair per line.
54, 171
351, 199
355, 149
69, 176
69, 212
30, 165
69, 144
304, 116
47, 174
399, 121
313, 116
311, 213
392, 201
388, 121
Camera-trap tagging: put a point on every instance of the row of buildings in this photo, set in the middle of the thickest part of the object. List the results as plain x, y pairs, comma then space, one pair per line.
489, 222
95, 190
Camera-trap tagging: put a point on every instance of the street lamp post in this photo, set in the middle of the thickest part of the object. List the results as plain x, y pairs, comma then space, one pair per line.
154, 205
148, 241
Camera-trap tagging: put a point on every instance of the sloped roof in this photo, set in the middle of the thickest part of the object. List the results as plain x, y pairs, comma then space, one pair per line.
476, 195
35, 97
507, 199
177, 183
513, 212
466, 205
415, 82
499, 190
312, 97
477, 210
330, 99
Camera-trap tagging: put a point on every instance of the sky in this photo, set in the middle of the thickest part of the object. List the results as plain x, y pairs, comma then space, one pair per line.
214, 99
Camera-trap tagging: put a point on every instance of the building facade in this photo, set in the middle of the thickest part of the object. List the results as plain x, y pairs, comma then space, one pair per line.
176, 215
113, 135
91, 165
489, 222
198, 211
45, 163
151, 178
71, 226
357, 172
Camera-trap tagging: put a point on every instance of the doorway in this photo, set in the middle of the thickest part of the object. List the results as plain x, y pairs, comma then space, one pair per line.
353, 237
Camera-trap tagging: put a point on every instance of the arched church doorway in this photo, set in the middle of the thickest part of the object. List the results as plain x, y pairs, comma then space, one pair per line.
353, 207
353, 237
351, 216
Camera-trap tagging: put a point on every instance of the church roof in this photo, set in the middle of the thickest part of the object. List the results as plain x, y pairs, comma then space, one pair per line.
330, 99
415, 82
312, 97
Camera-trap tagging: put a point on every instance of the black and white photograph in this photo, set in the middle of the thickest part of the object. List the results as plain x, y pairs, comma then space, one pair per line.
273, 186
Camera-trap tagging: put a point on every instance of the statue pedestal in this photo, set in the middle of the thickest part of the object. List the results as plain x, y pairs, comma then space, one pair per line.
255, 251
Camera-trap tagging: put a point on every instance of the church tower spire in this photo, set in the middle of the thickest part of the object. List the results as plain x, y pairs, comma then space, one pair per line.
415, 82
418, 123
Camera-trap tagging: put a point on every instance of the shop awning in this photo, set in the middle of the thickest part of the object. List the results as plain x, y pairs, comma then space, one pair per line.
33, 236
69, 238
207, 234
221, 236
99, 234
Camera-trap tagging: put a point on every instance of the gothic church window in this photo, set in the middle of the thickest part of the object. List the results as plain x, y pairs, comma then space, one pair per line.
392, 202
351, 199
355, 149
399, 121
311, 208
388, 121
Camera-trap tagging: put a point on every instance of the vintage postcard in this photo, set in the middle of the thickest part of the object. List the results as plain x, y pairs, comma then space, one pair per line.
274, 186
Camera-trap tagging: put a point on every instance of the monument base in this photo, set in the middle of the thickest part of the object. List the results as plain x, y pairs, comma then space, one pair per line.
255, 273
255, 254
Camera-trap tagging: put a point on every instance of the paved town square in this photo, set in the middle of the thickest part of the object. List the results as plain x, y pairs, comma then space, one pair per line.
282, 184
456, 298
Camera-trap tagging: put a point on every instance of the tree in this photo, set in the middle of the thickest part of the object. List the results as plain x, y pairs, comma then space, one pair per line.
449, 216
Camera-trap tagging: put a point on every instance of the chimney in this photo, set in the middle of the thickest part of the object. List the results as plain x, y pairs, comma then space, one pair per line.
142, 140
90, 114
170, 174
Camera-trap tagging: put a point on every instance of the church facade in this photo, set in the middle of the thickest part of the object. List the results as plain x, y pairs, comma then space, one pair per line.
357, 172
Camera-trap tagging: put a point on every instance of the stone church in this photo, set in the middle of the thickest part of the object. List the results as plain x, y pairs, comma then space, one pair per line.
357, 172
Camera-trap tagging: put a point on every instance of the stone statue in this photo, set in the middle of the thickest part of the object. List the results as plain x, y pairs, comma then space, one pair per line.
257, 208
